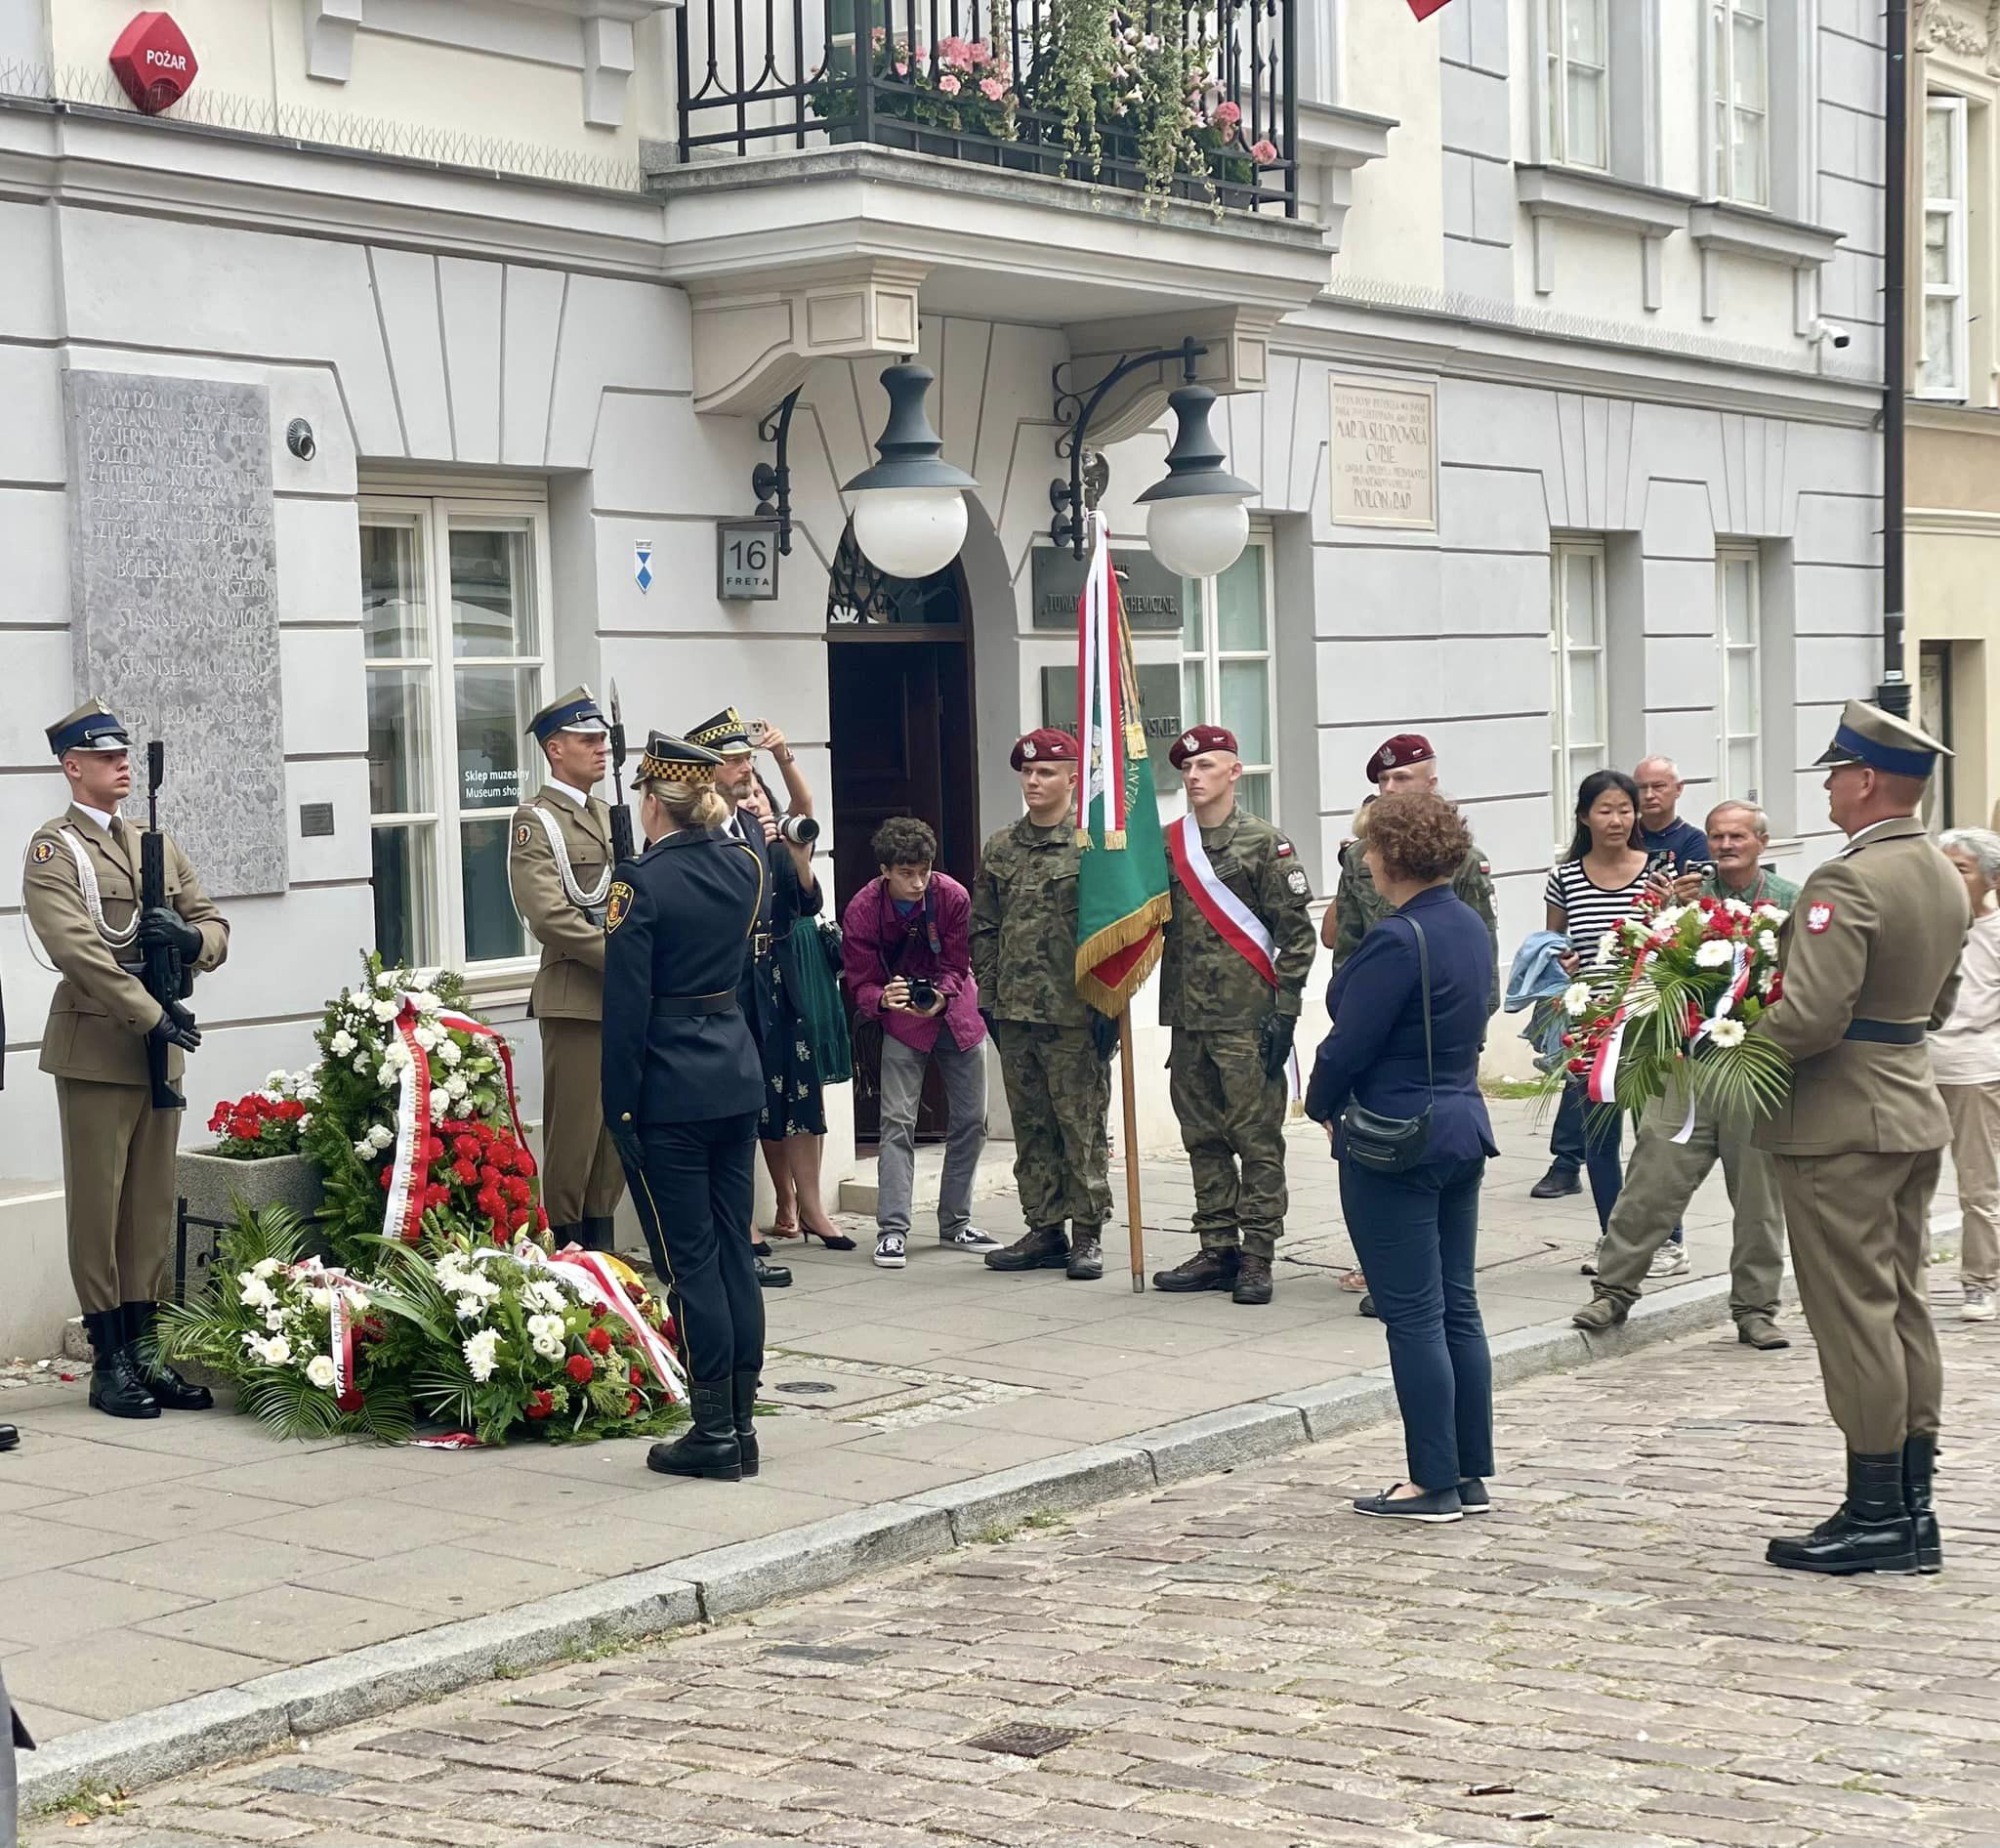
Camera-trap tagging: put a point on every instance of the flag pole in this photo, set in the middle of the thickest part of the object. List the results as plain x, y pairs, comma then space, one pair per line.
1129, 1086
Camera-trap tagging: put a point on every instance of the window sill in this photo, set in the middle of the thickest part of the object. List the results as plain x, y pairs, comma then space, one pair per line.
502, 992
1582, 195
1719, 227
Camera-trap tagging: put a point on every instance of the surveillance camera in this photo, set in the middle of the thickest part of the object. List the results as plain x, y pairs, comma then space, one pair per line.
299, 440
1832, 333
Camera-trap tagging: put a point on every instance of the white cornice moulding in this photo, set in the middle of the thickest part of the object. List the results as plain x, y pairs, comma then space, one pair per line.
1717, 227
1333, 144
1550, 194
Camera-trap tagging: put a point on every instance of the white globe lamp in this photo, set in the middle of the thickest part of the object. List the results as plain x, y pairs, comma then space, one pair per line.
1197, 520
909, 509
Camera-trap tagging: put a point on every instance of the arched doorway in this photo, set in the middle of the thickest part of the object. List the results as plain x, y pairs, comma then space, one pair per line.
904, 738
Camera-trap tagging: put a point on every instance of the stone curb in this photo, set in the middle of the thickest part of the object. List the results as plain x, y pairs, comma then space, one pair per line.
211, 1729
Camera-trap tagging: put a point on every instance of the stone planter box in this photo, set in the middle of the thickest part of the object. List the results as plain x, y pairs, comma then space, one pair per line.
214, 1188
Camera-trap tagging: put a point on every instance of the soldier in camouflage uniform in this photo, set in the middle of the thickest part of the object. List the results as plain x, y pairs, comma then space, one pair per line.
1234, 1010
1052, 1044
1405, 762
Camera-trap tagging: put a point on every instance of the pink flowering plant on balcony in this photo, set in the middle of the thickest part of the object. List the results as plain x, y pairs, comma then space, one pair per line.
959, 86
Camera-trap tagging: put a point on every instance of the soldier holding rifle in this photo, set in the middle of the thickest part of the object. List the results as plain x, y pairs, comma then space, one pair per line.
128, 926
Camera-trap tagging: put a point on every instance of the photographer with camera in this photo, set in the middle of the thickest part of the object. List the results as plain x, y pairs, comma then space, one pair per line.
908, 963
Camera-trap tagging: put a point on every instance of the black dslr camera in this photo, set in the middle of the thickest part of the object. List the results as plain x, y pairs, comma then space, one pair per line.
923, 995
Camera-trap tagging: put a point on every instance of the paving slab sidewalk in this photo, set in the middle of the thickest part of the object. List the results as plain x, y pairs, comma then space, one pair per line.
178, 1579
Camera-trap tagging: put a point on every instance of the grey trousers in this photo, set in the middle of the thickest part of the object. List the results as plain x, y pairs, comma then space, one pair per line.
1660, 1180
965, 1102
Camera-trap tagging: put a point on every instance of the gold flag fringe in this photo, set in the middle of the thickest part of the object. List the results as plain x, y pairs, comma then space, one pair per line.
1122, 935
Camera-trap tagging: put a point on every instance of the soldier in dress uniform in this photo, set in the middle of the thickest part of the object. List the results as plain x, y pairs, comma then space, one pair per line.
682, 1083
1053, 1044
1870, 960
558, 866
1239, 950
82, 893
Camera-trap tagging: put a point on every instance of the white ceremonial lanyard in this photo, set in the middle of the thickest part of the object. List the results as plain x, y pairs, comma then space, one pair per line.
574, 892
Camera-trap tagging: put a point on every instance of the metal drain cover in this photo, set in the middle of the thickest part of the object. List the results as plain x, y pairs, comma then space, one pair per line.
1022, 1740
804, 1386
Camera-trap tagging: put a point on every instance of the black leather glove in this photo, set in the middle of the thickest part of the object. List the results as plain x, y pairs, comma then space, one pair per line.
1274, 1042
176, 1027
165, 925
1103, 1035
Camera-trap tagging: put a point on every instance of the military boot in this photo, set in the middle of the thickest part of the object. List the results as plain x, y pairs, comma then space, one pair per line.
10, 1438
1086, 1254
1871, 1532
1040, 1248
1598, 1315
563, 1236
746, 1406
1919, 1452
1253, 1280
1213, 1267
709, 1448
116, 1387
171, 1393
601, 1234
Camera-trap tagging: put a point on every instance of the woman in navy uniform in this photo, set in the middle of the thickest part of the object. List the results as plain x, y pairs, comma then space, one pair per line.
682, 1083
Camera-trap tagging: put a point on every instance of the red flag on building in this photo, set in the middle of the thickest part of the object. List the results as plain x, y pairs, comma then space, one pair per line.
1422, 9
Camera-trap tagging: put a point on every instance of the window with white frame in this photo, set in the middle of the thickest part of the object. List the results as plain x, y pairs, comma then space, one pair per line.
1576, 35
1739, 99
1226, 666
1739, 731
1578, 693
1943, 371
454, 595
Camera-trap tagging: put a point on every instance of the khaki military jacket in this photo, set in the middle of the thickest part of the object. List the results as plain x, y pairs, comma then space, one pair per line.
1358, 907
1023, 926
570, 985
1205, 984
1875, 935
101, 1012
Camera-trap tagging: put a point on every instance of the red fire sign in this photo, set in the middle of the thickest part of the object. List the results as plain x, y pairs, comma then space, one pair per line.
154, 62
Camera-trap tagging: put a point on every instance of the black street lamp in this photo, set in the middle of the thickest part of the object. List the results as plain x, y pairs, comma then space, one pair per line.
909, 509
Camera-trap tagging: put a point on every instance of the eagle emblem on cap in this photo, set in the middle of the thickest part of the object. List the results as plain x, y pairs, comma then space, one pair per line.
1028, 748
1189, 742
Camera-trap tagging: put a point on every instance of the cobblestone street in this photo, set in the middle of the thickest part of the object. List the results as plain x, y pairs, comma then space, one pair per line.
1602, 1662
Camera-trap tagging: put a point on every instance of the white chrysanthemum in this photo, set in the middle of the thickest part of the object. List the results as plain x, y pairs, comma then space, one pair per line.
543, 1295
455, 1087
1667, 922
426, 1038
1712, 955
481, 1355
363, 1062
340, 1044
469, 1309
319, 1371
386, 1011
1577, 1000
428, 1001
450, 1051
441, 1104
1767, 942
365, 1148
1726, 1032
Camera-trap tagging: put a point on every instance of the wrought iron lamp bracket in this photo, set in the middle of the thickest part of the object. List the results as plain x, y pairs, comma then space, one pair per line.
1075, 410
771, 483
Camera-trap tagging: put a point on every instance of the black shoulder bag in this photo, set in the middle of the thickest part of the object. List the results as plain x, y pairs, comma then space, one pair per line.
1391, 1145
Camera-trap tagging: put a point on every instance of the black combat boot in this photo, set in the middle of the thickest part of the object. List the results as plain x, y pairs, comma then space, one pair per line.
1213, 1267
1086, 1253
599, 1235
1041, 1248
171, 1393
1919, 1452
745, 1385
116, 1387
709, 1449
561, 1238
1871, 1532
1253, 1280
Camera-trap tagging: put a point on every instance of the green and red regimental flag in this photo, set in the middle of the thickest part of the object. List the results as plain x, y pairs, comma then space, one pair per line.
1122, 885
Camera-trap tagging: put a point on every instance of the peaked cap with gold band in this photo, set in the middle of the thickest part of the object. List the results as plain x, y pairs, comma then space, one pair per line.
1878, 740
671, 759
575, 711
92, 726
728, 733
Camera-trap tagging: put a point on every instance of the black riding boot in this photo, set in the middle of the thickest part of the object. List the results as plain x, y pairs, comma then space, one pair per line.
1870, 1533
709, 1449
746, 1411
171, 1393
1919, 1452
116, 1387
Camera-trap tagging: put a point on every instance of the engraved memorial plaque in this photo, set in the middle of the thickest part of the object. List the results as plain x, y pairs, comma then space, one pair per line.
1385, 453
172, 573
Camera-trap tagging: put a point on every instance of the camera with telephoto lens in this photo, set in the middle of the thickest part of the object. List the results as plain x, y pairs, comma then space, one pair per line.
799, 829
923, 995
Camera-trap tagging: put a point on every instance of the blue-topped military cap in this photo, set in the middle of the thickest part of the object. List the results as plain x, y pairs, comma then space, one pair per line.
574, 711
671, 759
729, 732
1878, 740
92, 726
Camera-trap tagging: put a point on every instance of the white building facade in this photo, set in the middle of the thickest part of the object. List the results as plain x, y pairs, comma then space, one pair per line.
1557, 381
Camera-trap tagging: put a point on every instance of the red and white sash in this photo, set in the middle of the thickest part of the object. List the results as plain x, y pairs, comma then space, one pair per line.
1234, 922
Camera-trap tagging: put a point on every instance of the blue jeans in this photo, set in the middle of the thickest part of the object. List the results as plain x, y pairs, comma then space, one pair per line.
1416, 1235
1577, 1141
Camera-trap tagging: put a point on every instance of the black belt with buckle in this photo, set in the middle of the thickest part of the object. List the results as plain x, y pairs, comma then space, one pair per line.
761, 942
1887, 1032
675, 1007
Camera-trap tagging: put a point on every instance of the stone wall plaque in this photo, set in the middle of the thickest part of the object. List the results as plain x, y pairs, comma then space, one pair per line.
1383, 465
1151, 593
173, 579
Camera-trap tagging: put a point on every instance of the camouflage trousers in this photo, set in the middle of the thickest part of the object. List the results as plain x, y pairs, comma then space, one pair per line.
1057, 1091
1233, 1125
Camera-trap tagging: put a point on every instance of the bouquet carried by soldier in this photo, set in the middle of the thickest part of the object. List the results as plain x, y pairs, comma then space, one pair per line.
1668, 1002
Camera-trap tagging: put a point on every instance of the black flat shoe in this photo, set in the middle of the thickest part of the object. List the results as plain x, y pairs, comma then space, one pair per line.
1473, 1497
1435, 1506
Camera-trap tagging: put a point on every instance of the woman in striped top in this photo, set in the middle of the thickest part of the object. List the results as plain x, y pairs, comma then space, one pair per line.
1601, 882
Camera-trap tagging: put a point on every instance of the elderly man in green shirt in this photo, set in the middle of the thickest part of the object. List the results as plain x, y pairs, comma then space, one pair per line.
1663, 1173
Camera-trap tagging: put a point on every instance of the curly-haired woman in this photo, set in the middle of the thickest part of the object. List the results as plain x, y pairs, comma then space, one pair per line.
1410, 1013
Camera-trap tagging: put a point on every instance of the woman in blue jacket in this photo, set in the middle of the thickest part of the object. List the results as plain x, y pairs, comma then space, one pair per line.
1416, 1231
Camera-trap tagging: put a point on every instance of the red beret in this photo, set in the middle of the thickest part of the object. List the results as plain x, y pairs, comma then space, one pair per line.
1045, 746
1199, 738
1405, 747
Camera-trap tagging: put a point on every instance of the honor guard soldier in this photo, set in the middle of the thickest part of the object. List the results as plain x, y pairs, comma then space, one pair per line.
1054, 1046
1239, 948
1870, 960
558, 866
683, 1081
83, 896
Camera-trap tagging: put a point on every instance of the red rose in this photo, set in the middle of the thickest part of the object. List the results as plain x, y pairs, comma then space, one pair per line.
579, 1368
632, 1403
540, 1404
599, 1340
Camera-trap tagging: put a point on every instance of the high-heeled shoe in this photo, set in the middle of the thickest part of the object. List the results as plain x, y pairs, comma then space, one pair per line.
832, 1241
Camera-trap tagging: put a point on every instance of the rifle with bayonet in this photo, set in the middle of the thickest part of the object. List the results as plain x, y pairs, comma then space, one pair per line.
164, 943
621, 815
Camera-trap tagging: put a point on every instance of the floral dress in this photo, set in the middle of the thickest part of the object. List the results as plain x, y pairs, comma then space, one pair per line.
794, 1099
